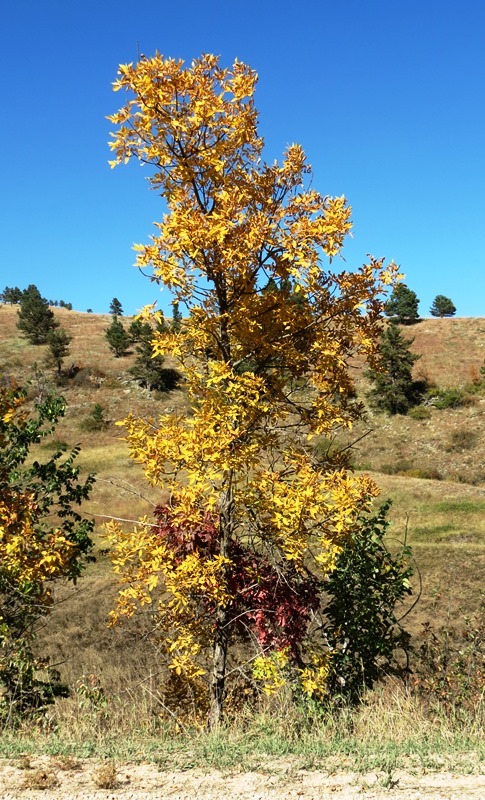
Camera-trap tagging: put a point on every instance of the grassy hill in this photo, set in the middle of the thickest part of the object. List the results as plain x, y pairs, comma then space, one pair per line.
431, 467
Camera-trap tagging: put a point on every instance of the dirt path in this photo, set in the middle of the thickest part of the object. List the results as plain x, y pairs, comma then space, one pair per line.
66, 779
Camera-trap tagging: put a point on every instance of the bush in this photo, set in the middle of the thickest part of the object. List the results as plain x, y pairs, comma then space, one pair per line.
461, 440
448, 665
419, 413
95, 421
43, 541
362, 627
452, 397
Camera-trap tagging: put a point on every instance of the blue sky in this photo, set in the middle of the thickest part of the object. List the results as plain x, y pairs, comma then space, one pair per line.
385, 96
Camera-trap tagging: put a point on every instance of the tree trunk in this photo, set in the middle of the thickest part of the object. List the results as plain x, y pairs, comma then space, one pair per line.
218, 674
221, 633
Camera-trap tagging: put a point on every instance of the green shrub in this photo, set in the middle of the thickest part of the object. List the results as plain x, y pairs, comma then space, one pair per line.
452, 397
362, 625
419, 413
96, 420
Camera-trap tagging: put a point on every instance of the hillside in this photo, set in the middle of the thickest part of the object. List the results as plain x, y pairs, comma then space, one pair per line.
447, 445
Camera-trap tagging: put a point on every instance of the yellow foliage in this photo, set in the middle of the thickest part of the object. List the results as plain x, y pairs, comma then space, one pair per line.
265, 349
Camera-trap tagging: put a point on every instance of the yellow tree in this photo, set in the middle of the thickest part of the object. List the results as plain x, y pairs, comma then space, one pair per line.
265, 347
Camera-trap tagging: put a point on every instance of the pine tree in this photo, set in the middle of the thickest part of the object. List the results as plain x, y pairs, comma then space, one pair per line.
36, 319
116, 308
442, 307
58, 341
402, 306
118, 338
176, 317
148, 370
394, 389
11, 294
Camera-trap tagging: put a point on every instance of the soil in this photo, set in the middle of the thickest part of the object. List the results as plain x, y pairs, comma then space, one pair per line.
53, 778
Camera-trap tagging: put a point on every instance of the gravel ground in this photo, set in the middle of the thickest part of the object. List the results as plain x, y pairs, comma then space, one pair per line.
58, 779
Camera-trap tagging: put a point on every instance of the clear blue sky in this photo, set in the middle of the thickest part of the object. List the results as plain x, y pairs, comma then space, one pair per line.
385, 96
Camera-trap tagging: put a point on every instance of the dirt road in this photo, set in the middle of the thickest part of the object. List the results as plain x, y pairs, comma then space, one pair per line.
67, 779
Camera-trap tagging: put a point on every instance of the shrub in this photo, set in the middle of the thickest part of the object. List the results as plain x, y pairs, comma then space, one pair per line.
43, 541
452, 397
460, 440
419, 413
95, 421
362, 627
448, 665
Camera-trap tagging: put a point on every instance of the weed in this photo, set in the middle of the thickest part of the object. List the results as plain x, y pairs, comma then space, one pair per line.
419, 413
40, 779
460, 440
106, 776
67, 763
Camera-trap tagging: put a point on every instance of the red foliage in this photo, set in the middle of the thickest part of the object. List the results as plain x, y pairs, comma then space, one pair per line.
271, 600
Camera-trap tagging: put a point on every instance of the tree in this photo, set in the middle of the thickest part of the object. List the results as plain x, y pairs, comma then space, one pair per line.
43, 541
442, 307
35, 318
394, 389
118, 338
176, 317
58, 341
149, 370
254, 523
11, 295
115, 307
402, 306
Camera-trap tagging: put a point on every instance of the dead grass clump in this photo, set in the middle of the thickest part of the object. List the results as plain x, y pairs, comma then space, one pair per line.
40, 779
461, 439
67, 764
106, 776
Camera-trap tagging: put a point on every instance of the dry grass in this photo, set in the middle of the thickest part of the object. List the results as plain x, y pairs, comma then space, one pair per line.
40, 779
106, 776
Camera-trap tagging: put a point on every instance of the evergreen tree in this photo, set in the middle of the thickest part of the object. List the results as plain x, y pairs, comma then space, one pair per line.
11, 294
118, 338
116, 308
58, 341
176, 317
402, 306
36, 319
148, 370
442, 307
394, 389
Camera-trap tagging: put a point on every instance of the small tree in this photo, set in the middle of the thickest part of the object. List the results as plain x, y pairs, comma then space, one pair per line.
58, 341
402, 306
95, 421
118, 338
149, 370
394, 389
43, 541
35, 318
116, 308
176, 317
254, 523
442, 307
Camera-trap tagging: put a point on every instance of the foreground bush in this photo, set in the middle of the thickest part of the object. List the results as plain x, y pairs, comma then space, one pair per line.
43, 540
